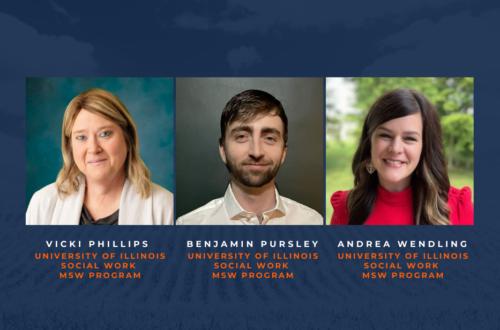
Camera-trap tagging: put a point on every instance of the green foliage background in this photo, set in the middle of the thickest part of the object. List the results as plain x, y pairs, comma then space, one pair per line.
453, 99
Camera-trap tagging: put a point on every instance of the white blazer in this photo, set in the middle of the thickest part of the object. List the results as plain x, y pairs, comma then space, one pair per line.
47, 208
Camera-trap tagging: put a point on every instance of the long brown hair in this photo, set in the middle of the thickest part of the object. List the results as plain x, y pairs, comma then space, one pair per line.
430, 182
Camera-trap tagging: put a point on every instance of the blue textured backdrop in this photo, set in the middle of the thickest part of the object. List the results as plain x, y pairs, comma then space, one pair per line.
249, 38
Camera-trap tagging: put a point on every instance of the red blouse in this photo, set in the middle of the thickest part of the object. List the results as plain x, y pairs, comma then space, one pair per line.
396, 208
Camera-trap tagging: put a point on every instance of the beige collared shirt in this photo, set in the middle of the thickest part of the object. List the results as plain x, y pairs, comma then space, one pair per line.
227, 211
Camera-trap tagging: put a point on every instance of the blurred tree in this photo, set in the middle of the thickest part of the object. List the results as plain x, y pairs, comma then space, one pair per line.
334, 119
452, 97
449, 95
458, 136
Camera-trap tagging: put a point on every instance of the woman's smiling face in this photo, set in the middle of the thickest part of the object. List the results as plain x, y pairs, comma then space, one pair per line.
396, 146
99, 147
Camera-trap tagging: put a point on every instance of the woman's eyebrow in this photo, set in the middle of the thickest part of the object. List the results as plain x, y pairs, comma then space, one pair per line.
404, 132
98, 129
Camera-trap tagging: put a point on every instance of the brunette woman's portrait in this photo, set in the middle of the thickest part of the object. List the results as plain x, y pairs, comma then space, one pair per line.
400, 151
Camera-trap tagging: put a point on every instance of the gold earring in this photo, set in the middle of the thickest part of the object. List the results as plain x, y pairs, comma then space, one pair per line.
369, 168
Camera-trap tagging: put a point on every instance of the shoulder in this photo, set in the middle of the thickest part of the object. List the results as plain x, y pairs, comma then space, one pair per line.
44, 201
201, 215
459, 193
304, 214
339, 204
339, 199
156, 209
163, 204
161, 194
46, 195
461, 207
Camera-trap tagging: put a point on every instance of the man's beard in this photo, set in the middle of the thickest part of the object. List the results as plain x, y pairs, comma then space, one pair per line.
252, 178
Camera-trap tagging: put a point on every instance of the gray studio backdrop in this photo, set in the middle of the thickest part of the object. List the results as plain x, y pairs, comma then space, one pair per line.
200, 173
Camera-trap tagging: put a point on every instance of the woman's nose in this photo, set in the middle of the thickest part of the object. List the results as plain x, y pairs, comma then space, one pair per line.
94, 145
397, 145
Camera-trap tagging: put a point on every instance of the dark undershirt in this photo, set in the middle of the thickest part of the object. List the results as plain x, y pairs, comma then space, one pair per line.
86, 218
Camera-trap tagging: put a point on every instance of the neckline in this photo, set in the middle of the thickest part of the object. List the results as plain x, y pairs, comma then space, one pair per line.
403, 197
234, 209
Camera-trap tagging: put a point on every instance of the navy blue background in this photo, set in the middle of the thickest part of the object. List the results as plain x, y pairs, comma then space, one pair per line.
249, 38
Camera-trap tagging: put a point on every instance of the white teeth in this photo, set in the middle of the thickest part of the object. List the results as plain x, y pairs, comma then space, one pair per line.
394, 162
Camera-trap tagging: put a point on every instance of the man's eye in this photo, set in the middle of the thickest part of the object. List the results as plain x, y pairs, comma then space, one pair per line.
240, 137
271, 138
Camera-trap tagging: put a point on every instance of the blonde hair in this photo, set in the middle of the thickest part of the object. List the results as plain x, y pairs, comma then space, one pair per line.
107, 105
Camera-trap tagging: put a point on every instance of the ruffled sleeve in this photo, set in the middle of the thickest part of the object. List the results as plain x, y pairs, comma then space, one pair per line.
461, 207
339, 203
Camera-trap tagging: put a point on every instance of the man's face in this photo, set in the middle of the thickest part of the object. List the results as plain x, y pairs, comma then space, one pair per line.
253, 151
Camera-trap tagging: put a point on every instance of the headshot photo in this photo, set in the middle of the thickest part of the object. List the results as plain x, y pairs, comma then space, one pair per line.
400, 151
250, 151
100, 151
